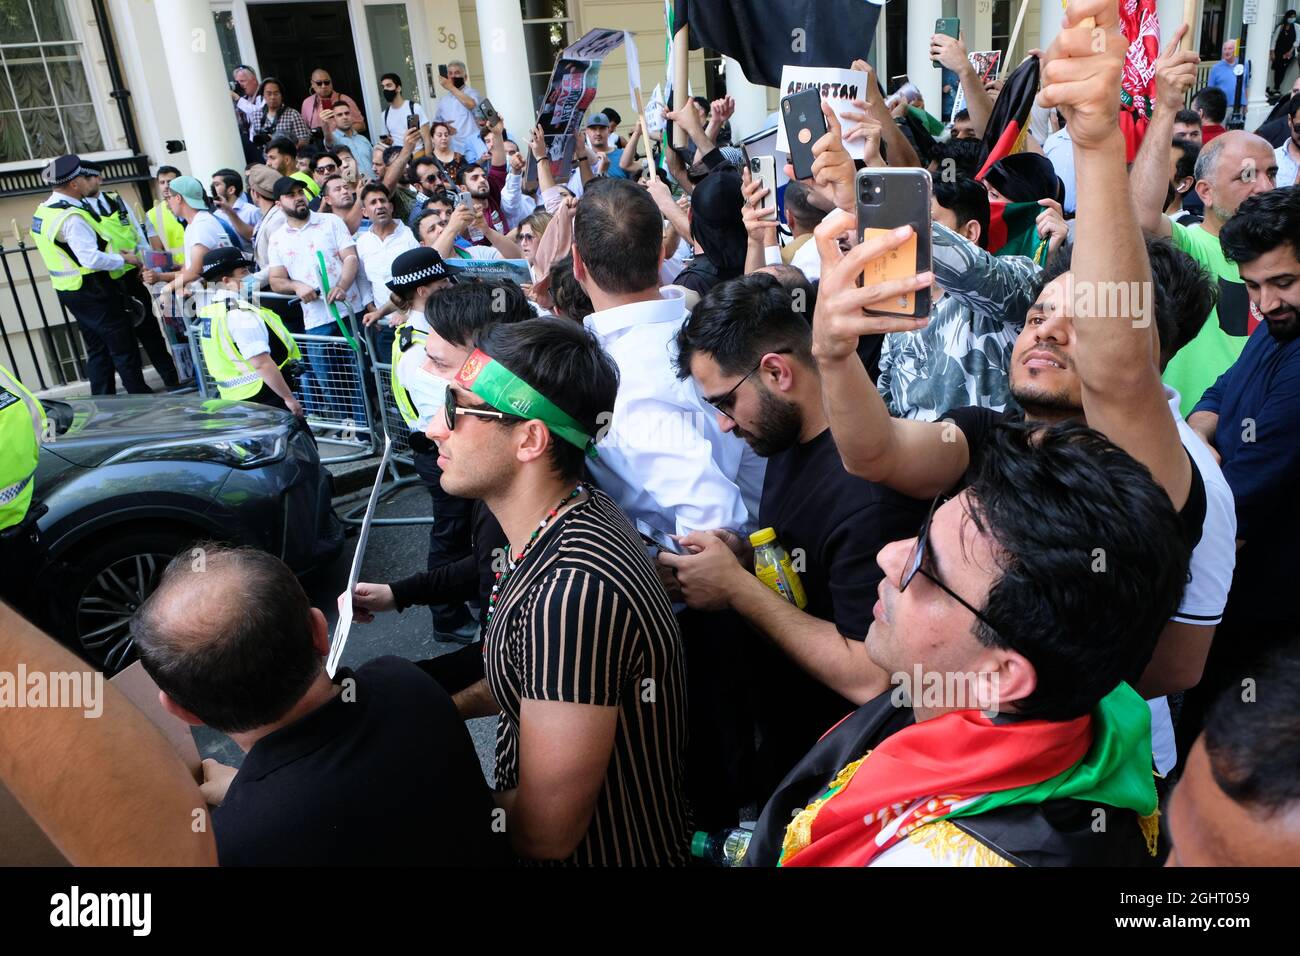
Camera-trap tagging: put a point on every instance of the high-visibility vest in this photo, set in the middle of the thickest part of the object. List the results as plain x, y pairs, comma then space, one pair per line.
172, 232
407, 337
22, 423
118, 231
66, 273
312, 187
235, 376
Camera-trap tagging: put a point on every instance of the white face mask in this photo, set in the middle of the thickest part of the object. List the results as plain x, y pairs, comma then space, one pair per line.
428, 394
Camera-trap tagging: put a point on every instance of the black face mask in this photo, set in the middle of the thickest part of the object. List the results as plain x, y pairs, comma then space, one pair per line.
458, 82
390, 95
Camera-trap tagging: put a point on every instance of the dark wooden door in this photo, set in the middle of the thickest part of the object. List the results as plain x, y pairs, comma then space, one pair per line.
292, 39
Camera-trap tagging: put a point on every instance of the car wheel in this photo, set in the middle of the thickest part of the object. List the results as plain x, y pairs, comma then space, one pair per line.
106, 586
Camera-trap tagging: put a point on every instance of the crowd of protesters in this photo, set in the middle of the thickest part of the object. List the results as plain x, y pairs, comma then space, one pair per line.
1039, 535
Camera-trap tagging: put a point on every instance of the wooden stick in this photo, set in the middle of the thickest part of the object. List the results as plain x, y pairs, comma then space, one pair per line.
645, 130
681, 77
1015, 35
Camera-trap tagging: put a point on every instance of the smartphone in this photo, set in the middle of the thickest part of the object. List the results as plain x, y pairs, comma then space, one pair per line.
948, 26
487, 112
804, 125
442, 70
887, 199
763, 169
660, 539
412, 121
465, 199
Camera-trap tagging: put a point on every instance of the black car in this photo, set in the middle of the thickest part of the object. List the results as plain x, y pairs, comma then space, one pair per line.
130, 482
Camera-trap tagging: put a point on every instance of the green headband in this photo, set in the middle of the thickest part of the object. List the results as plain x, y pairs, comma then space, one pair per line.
507, 392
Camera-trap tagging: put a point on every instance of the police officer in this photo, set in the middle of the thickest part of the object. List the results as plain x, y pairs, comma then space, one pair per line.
22, 427
116, 223
80, 264
247, 349
417, 274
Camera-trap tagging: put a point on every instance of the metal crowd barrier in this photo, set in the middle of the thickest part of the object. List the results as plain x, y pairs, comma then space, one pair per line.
332, 390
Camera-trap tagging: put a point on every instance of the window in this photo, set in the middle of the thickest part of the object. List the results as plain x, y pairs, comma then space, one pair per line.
45, 102
547, 25
390, 45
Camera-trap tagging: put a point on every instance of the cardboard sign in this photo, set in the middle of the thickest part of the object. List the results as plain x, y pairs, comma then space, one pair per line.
838, 87
23, 843
985, 63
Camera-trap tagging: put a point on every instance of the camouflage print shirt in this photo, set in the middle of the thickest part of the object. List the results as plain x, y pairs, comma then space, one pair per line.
964, 355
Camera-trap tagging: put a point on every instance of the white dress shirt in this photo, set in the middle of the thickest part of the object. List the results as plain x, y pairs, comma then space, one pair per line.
663, 457
295, 246
377, 257
81, 239
516, 206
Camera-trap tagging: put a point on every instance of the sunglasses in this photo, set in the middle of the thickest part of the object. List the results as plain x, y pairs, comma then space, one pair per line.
914, 566
451, 409
321, 82
322, 168
725, 401
526, 236
433, 179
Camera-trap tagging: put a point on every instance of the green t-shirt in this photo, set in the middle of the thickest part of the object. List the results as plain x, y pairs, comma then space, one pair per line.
1201, 361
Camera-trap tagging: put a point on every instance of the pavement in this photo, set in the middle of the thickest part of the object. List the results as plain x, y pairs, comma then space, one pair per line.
393, 552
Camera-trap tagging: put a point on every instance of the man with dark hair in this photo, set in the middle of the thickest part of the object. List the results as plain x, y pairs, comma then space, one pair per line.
803, 214
1251, 417
749, 352
1236, 804
1288, 154
365, 769
665, 461
231, 207
485, 189
401, 115
962, 127
1231, 167
1187, 125
1211, 105
956, 157
282, 156
1182, 177
963, 355
1011, 714
1080, 357
583, 656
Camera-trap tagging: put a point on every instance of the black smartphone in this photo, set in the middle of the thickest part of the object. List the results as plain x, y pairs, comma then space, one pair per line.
442, 70
804, 125
317, 134
412, 121
886, 199
660, 539
948, 26
487, 112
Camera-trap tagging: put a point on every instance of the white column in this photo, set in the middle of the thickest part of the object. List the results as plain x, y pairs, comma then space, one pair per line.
505, 63
1170, 14
751, 102
1257, 47
921, 15
1050, 15
198, 83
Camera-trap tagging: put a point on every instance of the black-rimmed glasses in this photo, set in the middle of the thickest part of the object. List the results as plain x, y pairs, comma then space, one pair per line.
914, 566
724, 402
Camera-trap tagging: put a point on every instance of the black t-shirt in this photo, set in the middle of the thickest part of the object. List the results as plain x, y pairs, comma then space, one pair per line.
384, 774
831, 524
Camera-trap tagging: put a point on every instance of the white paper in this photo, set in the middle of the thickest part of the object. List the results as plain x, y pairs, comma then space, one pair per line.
633, 66
344, 625
838, 87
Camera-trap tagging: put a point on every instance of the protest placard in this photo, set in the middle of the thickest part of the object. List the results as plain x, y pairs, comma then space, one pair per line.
985, 63
838, 87
516, 270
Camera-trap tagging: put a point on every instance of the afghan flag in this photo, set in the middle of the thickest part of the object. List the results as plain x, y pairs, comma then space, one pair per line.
963, 764
1013, 230
1009, 122
1138, 87
762, 35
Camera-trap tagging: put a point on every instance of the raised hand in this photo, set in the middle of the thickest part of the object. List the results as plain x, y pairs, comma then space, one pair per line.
1082, 70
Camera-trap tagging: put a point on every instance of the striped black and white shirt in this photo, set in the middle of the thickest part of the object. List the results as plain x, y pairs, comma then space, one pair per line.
584, 619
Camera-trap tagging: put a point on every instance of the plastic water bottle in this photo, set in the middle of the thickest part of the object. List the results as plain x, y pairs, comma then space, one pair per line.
724, 848
773, 567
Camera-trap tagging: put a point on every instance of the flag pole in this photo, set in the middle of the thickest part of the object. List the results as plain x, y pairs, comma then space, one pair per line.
1015, 35
681, 77
1189, 17
645, 131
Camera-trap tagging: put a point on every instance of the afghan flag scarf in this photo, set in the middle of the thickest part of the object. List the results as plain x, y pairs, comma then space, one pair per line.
963, 764
1013, 230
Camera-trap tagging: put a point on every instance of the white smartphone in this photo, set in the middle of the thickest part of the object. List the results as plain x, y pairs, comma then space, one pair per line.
465, 199
763, 169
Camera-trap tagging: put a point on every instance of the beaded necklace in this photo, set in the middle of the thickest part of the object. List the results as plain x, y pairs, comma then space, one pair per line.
502, 577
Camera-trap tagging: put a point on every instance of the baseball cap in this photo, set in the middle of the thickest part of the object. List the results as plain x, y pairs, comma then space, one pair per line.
285, 185
189, 189
262, 179
600, 119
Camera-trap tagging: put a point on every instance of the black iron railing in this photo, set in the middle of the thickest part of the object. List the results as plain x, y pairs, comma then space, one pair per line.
34, 332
